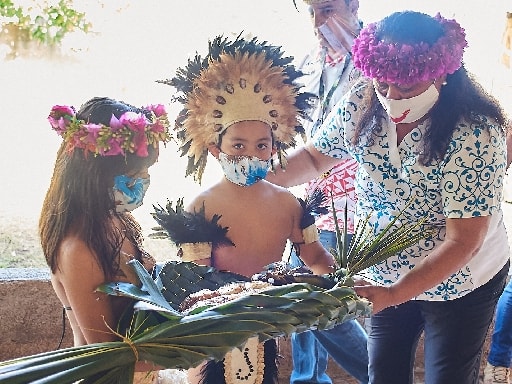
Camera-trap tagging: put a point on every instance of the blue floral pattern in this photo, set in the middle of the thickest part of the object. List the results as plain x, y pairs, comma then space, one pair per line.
466, 182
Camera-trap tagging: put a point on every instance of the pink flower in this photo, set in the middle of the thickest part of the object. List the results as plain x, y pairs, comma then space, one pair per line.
87, 137
157, 109
114, 147
60, 117
136, 123
115, 124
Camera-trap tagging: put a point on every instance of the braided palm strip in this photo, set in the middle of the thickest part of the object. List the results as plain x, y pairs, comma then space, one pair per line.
180, 279
172, 340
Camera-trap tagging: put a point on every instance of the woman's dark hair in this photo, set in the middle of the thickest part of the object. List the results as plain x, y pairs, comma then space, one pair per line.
80, 199
461, 97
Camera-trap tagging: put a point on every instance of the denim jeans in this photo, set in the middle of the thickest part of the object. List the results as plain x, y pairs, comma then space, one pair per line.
454, 335
500, 353
346, 343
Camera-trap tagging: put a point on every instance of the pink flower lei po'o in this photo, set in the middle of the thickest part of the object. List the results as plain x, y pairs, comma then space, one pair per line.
408, 64
131, 133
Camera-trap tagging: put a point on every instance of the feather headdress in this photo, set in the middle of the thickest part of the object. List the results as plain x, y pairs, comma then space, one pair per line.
238, 80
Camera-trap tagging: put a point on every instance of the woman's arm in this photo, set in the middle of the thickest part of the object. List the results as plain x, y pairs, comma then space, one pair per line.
304, 164
464, 237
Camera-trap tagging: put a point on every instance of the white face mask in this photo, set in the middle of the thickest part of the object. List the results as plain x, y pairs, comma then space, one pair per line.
243, 170
339, 34
129, 192
409, 110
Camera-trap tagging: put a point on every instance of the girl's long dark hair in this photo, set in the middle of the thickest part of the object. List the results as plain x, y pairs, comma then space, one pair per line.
80, 200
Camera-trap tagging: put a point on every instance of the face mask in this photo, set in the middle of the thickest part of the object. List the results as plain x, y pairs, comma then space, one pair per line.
129, 192
338, 34
412, 109
243, 170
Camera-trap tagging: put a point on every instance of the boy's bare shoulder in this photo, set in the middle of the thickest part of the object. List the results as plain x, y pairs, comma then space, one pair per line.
199, 200
282, 197
216, 196
211, 198
280, 190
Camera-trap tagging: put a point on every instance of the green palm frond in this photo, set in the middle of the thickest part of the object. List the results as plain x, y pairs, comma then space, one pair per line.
173, 340
367, 249
158, 332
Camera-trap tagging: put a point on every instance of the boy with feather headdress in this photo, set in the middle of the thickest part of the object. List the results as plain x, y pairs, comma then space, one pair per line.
243, 106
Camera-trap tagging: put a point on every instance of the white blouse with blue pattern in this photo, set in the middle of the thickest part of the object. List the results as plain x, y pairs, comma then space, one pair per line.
466, 182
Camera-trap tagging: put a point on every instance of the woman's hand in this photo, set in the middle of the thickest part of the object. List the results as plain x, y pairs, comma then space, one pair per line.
380, 297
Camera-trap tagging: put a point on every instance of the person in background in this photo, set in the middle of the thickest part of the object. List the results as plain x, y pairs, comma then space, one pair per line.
328, 73
86, 229
497, 369
430, 142
242, 106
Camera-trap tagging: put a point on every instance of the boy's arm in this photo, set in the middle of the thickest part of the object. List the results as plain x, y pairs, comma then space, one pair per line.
308, 248
316, 257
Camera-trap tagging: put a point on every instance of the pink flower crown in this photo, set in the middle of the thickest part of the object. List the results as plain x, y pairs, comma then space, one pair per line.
408, 64
131, 133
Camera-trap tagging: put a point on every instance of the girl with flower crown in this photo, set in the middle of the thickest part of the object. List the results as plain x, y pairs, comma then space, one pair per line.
87, 231
430, 142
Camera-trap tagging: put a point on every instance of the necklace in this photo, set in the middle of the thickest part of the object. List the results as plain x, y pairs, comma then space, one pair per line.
325, 99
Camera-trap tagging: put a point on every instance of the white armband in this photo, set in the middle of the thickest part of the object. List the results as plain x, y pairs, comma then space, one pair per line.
195, 251
310, 234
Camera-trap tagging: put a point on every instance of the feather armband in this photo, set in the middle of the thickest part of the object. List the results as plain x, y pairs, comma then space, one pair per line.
192, 232
312, 206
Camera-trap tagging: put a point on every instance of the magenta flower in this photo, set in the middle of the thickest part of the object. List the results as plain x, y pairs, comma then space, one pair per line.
60, 117
157, 109
409, 64
114, 147
88, 136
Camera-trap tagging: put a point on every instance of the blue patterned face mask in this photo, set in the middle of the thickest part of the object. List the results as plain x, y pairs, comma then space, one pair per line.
243, 170
129, 192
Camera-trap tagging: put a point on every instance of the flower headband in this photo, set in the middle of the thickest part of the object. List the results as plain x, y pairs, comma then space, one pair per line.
238, 80
132, 133
408, 64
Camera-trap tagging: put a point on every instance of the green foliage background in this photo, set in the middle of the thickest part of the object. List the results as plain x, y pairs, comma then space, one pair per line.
44, 23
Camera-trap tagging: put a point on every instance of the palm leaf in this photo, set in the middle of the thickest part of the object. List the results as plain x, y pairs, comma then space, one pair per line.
174, 340
159, 333
368, 249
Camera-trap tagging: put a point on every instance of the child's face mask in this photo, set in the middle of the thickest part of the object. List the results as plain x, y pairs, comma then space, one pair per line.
129, 192
244, 170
